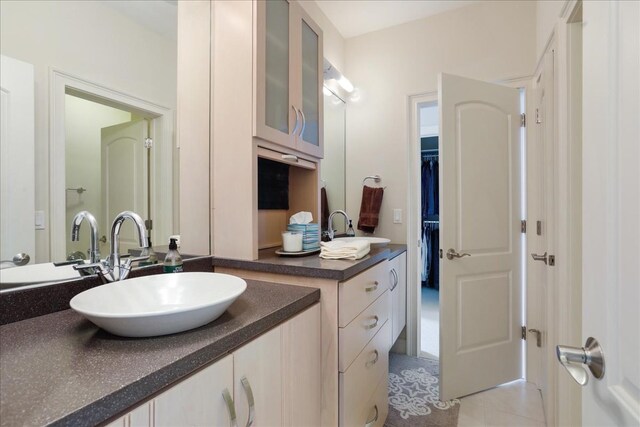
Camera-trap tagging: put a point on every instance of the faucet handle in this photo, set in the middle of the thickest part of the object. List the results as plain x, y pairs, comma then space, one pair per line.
96, 267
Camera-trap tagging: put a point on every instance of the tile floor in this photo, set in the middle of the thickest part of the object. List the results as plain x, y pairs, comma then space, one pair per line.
516, 404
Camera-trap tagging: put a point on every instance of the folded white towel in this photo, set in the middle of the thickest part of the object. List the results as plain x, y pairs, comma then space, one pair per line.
336, 249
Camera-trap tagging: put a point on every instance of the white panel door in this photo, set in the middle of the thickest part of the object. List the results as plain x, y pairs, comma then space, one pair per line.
17, 173
480, 294
124, 178
611, 209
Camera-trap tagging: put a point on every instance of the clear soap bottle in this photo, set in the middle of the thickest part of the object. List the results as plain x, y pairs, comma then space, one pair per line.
173, 260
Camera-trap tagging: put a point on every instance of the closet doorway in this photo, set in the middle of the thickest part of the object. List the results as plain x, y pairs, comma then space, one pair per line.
429, 244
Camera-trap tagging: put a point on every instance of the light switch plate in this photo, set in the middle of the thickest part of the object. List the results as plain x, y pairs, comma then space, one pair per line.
39, 220
397, 216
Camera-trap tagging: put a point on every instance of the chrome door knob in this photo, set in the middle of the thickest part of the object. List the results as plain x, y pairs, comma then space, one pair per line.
575, 359
451, 254
542, 257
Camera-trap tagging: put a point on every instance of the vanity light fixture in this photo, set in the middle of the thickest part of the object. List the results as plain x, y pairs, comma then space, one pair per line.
332, 73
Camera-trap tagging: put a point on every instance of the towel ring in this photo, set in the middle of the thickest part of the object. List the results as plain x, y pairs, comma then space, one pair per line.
375, 178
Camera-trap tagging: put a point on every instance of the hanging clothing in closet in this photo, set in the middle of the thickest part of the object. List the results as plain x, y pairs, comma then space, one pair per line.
430, 226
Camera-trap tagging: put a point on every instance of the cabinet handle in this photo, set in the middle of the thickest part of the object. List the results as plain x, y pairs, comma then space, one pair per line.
374, 324
375, 418
304, 123
231, 407
394, 281
295, 127
252, 405
372, 288
290, 157
375, 359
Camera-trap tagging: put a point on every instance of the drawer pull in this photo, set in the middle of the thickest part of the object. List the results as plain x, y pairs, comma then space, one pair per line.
394, 280
231, 407
374, 324
375, 359
372, 288
375, 418
250, 400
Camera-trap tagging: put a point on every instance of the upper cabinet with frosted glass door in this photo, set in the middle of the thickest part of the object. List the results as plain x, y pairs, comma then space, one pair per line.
289, 77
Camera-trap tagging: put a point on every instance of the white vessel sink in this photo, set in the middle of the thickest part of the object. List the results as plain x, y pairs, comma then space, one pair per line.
36, 273
373, 241
159, 304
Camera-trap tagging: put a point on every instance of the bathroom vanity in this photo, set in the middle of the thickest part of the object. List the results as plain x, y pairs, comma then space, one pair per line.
60, 369
363, 311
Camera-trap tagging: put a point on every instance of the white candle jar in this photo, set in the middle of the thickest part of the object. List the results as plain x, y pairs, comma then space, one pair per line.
292, 241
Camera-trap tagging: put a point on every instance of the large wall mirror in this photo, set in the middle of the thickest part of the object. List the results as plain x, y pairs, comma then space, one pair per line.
99, 134
334, 163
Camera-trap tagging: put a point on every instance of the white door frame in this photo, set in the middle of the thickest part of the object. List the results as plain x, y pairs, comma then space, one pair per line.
413, 204
162, 175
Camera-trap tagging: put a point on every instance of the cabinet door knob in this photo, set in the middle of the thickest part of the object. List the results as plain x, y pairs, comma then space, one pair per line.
375, 359
372, 288
374, 324
252, 404
231, 407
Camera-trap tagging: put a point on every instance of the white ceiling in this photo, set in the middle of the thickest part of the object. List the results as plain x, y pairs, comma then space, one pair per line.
355, 17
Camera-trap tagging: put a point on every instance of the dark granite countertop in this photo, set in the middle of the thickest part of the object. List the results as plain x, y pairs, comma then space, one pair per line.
60, 369
312, 265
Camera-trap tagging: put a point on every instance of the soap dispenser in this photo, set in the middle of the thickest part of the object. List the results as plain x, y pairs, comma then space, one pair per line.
350, 231
173, 260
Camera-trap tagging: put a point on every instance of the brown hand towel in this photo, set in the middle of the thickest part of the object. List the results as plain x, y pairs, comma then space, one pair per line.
370, 208
324, 209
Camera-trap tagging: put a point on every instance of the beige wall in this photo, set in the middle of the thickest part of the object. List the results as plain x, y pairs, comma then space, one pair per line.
80, 38
547, 14
489, 41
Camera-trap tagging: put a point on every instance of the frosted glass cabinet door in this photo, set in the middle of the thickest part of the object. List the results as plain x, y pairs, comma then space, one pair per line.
310, 136
275, 114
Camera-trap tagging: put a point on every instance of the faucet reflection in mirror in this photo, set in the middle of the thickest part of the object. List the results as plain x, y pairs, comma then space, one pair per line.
94, 252
113, 269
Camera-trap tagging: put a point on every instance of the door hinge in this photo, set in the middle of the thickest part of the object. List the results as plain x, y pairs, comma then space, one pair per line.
523, 120
148, 143
523, 333
523, 226
538, 119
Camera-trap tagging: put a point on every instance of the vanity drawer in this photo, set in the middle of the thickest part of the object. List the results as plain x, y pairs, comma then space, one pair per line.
377, 408
358, 384
359, 332
360, 291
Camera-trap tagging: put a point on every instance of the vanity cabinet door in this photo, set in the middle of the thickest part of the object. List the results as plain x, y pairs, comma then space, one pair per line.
198, 400
308, 66
139, 417
277, 118
257, 378
288, 88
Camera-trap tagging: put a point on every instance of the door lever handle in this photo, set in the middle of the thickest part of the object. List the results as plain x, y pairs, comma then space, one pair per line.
542, 257
575, 359
451, 254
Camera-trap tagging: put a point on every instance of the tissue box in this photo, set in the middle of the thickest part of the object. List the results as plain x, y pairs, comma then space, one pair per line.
311, 235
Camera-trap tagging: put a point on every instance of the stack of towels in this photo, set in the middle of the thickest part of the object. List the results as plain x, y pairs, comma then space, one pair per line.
337, 249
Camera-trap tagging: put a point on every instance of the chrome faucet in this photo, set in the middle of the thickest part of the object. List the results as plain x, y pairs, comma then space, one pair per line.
331, 231
113, 268
94, 251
